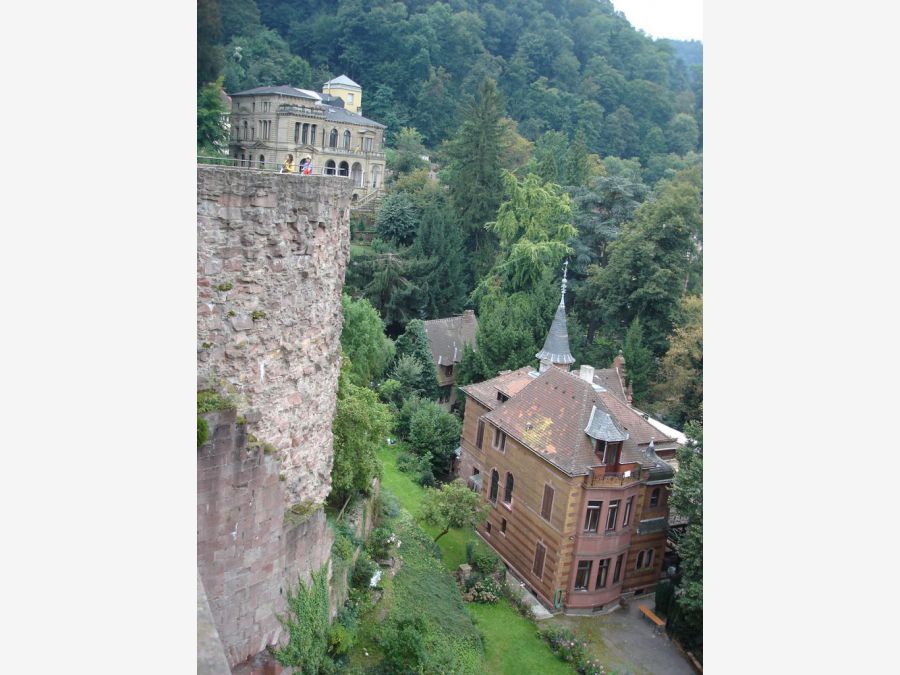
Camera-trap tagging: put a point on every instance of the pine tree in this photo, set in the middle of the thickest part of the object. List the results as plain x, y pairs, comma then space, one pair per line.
413, 342
440, 240
474, 173
638, 361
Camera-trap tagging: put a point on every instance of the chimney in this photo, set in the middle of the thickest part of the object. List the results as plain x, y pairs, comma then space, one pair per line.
619, 364
587, 374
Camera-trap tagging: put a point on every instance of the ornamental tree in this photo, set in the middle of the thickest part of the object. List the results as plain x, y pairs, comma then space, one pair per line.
453, 505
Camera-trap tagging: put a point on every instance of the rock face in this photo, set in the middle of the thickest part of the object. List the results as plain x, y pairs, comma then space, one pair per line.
271, 254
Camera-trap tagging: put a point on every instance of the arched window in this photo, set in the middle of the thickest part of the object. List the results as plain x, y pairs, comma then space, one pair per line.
507, 493
346, 140
332, 139
654, 498
304, 134
245, 136
495, 485
357, 174
640, 560
649, 557
329, 168
344, 169
262, 161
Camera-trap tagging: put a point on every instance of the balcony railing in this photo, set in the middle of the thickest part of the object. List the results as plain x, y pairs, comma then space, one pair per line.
613, 479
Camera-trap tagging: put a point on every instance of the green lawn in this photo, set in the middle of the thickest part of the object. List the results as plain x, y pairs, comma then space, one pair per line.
511, 643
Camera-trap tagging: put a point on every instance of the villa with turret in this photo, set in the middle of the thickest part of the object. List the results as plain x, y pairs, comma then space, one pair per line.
268, 123
577, 478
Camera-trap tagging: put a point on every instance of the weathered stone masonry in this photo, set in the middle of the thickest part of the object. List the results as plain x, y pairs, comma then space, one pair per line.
271, 254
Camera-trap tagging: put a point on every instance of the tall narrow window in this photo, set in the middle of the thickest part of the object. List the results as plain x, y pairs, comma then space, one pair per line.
499, 442
539, 552
507, 493
313, 130
503, 525
304, 137
547, 503
367, 144
618, 570
583, 575
640, 560
332, 139
648, 561
627, 516
296, 132
346, 140
611, 514
654, 498
611, 453
592, 516
479, 439
495, 485
262, 161
602, 574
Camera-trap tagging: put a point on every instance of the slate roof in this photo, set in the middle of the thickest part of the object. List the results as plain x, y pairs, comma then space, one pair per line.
283, 89
550, 411
602, 427
334, 114
556, 346
447, 337
343, 80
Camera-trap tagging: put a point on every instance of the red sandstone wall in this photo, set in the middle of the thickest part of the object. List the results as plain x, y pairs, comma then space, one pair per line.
246, 554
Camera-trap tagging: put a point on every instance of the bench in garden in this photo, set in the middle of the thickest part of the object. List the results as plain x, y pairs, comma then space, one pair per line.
655, 619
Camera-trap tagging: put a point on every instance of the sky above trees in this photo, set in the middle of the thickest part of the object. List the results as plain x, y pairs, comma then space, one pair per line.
673, 19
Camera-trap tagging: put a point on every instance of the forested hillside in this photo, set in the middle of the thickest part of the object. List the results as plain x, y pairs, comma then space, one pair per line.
560, 133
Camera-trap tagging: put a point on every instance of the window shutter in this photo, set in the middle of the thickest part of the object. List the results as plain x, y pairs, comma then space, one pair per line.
547, 503
538, 567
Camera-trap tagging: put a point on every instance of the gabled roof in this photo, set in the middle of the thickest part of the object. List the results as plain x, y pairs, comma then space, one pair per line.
550, 412
447, 337
343, 80
283, 90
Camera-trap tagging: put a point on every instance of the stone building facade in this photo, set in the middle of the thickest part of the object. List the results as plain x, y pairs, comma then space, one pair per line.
268, 123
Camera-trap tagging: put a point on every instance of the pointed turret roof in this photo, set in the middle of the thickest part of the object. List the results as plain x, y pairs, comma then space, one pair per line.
556, 346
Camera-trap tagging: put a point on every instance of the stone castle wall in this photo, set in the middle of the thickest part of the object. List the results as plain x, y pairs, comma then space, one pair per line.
271, 254
248, 553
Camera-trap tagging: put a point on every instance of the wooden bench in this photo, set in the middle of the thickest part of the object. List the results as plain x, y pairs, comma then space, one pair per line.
660, 624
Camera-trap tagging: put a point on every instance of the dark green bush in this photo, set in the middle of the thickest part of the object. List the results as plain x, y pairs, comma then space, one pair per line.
665, 593
426, 478
340, 640
485, 561
209, 401
470, 551
404, 643
409, 463
307, 625
380, 542
388, 506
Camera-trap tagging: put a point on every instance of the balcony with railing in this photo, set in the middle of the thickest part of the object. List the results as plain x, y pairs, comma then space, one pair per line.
617, 475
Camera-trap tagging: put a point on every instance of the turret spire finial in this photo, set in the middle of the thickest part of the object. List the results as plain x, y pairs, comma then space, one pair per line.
564, 281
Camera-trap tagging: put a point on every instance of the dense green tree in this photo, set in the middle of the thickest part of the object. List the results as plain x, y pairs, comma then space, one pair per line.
638, 362
550, 157
620, 134
474, 173
533, 227
413, 342
364, 342
263, 58
649, 264
440, 240
239, 17
360, 425
209, 48
407, 373
397, 220
681, 387
687, 500
435, 432
409, 152
453, 505
682, 133
578, 163
389, 287
211, 133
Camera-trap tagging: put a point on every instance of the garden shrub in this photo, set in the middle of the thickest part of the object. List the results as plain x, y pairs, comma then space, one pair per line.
485, 561
409, 463
567, 646
426, 478
340, 640
307, 625
380, 542
516, 600
387, 505
486, 591
470, 551
665, 593
403, 644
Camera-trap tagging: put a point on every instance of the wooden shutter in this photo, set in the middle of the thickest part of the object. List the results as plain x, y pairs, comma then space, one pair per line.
547, 503
538, 567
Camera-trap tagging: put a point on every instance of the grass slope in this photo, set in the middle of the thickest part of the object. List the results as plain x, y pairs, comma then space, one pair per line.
511, 643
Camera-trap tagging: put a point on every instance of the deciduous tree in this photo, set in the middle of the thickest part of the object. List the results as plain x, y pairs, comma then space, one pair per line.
452, 505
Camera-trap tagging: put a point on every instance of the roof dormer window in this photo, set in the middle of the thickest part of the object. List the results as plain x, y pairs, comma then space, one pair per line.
502, 397
607, 452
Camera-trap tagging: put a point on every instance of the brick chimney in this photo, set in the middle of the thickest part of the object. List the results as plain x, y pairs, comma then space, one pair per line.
586, 373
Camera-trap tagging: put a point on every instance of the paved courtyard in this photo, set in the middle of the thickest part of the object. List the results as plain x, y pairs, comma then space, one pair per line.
625, 640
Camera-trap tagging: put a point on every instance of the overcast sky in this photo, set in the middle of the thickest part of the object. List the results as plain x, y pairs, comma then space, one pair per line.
676, 19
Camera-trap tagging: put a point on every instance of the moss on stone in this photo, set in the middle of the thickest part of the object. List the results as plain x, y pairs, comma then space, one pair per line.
209, 401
